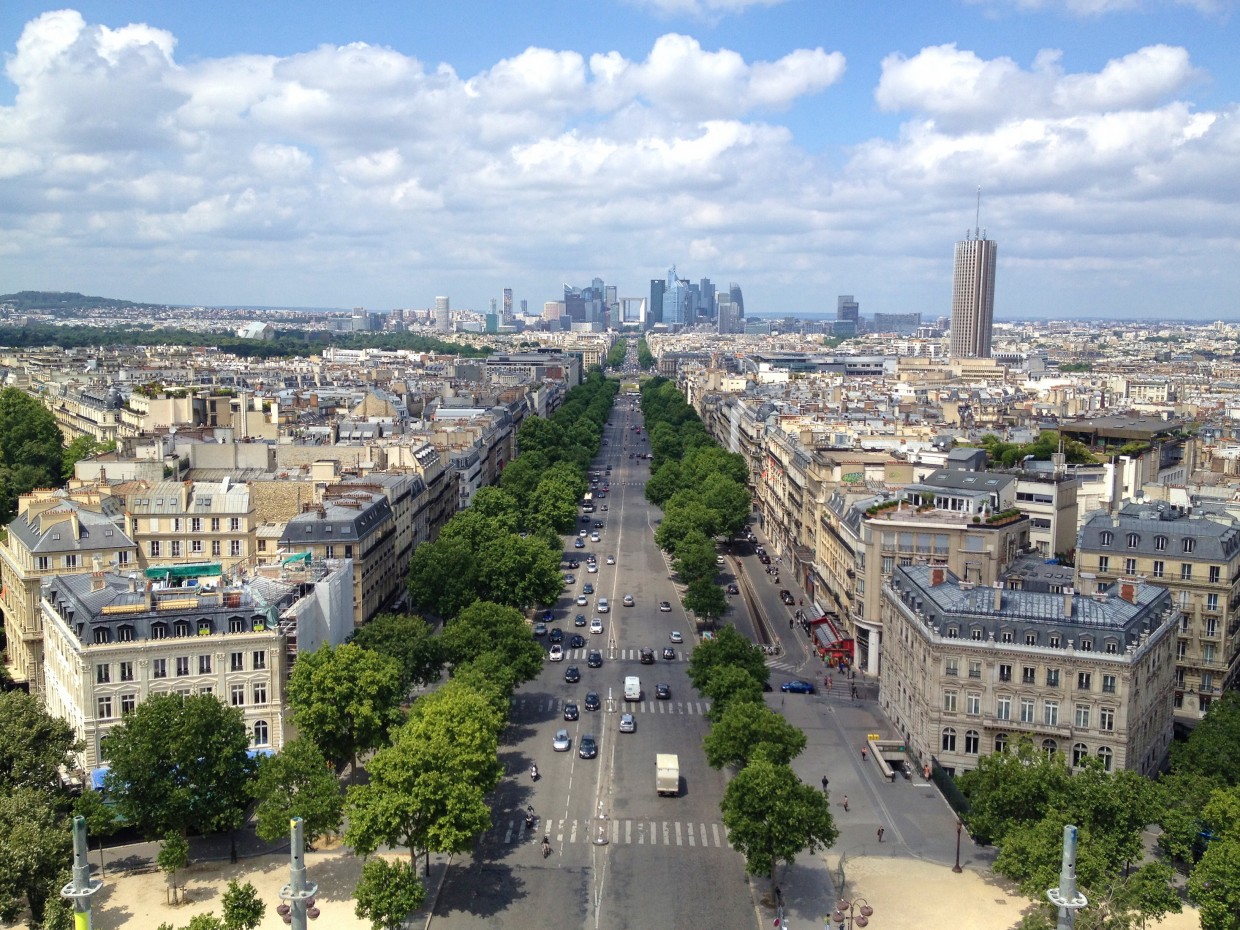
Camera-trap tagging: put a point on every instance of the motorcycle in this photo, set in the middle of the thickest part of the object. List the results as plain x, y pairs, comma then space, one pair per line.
533, 773
546, 846
529, 818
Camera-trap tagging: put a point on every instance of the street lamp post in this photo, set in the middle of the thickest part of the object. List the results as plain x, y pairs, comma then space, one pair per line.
959, 826
854, 913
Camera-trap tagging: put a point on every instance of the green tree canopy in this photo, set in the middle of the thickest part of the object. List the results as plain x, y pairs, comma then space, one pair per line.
727, 684
746, 728
727, 647
345, 699
1214, 885
297, 782
387, 893
1213, 748
31, 448
706, 599
410, 641
772, 816
1011, 788
180, 763
243, 908
488, 627
34, 847
34, 745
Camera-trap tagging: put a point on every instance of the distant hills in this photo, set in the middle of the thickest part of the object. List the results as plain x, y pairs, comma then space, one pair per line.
67, 302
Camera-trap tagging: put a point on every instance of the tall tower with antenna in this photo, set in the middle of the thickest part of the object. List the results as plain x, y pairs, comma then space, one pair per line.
973, 291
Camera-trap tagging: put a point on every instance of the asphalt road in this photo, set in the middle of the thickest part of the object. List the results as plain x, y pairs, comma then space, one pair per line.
622, 856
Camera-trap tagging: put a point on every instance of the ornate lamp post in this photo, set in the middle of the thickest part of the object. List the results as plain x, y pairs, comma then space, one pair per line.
854, 913
959, 826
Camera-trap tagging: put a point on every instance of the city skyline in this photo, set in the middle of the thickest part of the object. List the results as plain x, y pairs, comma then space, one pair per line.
311, 156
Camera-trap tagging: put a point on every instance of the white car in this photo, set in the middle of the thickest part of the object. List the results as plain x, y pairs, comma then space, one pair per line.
556, 654
592, 567
628, 723
596, 625
582, 600
611, 560
594, 537
676, 637
561, 742
628, 600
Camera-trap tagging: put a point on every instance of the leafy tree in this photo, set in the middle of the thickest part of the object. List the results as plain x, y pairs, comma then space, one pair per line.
180, 763
556, 501
522, 474
346, 699
297, 782
1011, 788
1214, 885
729, 684
172, 858
207, 921
727, 499
705, 599
80, 448
499, 506
444, 575
744, 727
662, 484
34, 745
58, 911
243, 908
34, 846
1213, 749
31, 448
387, 893
491, 675
488, 627
408, 639
772, 816
1184, 797
726, 647
101, 820
693, 557
518, 571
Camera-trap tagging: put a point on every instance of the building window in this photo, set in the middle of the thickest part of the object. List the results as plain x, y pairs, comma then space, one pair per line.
953, 632
975, 668
1181, 650
43, 563
1026, 710
1112, 647
103, 674
1160, 543
1208, 654
949, 701
195, 546
204, 665
1049, 746
1105, 538
155, 548
104, 707
972, 742
978, 633
1031, 639
1005, 673
1080, 752
236, 624
1188, 544
1087, 645
1003, 708
1052, 678
237, 693
1108, 684
1050, 713
1054, 640
1211, 626
1107, 757
128, 703
215, 524
180, 629
1186, 571
260, 733
234, 547
948, 743
159, 631
1081, 716
237, 661
122, 558
1130, 566
951, 667
1083, 681
195, 524
234, 523
71, 561
124, 634
215, 547
348, 554
176, 548
1106, 719
1214, 574
159, 668
1005, 636
260, 692
1028, 675
973, 704
1104, 563
1160, 569
1134, 540
329, 552
260, 660
204, 627
1211, 602
126, 669
102, 635
1001, 742
182, 666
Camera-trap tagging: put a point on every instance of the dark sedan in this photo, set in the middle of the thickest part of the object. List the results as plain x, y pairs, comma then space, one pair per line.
663, 691
592, 701
572, 674
556, 635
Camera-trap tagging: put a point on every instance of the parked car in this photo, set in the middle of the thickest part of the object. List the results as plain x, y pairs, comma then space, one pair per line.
663, 691
561, 742
556, 654
796, 686
592, 701
594, 659
572, 674
665, 607
570, 710
676, 637
628, 723
588, 748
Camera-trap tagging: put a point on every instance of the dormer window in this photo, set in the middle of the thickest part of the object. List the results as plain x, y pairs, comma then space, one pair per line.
1134, 540
1105, 538
1189, 544
1160, 543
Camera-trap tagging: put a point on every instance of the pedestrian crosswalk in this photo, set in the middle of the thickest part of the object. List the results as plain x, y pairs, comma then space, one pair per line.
789, 667
572, 656
511, 830
541, 706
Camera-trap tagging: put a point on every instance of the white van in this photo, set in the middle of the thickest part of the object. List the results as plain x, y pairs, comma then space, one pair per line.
602, 605
632, 688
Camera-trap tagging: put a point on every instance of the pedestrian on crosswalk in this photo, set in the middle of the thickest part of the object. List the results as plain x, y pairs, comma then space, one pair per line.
880, 834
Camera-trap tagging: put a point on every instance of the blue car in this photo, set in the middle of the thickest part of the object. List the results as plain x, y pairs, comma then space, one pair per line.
798, 687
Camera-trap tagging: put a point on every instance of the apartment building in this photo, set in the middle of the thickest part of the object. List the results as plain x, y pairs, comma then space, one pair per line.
1194, 553
176, 522
113, 640
970, 668
54, 533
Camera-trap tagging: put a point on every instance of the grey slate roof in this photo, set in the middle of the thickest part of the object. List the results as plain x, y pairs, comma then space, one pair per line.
95, 532
1216, 538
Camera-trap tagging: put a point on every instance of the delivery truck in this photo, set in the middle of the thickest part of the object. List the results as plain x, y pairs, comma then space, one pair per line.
667, 774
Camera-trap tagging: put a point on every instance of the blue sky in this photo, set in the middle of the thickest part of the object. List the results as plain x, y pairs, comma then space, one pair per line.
381, 153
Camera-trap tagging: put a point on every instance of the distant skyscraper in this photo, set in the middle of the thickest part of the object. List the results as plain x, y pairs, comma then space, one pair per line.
973, 297
734, 290
443, 316
706, 301
729, 322
847, 308
507, 305
675, 300
654, 310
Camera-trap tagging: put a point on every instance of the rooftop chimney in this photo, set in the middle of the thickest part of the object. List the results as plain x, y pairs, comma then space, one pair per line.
998, 595
937, 577
1068, 595
96, 581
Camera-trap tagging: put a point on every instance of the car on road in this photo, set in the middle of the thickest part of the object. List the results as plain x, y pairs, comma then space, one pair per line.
576, 641
786, 596
669, 653
663, 691
582, 533
602, 606
592, 701
573, 563
665, 607
676, 637
733, 589
587, 588
588, 748
594, 659
556, 654
647, 656
719, 560
579, 543
796, 686
611, 560
594, 537
628, 723
604, 508
561, 742
579, 620
540, 629
764, 559
592, 567
627, 600
598, 524
556, 635
572, 674
548, 616
570, 710
582, 600
570, 578
596, 625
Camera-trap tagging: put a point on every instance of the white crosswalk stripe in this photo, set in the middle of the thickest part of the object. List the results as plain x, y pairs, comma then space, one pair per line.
554, 706
623, 832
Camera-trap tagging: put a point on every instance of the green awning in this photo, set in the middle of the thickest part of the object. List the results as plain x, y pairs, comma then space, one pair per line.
178, 572
299, 557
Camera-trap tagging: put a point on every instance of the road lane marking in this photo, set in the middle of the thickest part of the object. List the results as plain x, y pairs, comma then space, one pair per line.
702, 827
628, 831
573, 833
692, 838
678, 840
714, 828
667, 836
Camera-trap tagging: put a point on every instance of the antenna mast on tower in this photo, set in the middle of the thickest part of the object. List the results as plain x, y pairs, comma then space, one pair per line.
977, 219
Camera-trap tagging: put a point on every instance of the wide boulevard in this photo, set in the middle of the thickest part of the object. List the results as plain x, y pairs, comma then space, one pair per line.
622, 856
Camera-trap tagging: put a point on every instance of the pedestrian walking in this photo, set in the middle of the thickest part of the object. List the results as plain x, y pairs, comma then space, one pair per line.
845, 802
825, 781
801, 603
790, 623
864, 752
880, 834
854, 692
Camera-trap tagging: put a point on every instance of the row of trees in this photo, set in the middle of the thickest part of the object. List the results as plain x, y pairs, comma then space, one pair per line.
1020, 801
771, 815
645, 358
701, 488
506, 547
615, 357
